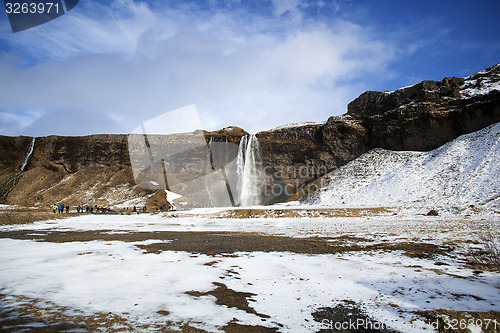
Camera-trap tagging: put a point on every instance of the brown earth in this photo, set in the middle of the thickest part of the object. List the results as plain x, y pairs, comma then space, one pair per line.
227, 243
26, 215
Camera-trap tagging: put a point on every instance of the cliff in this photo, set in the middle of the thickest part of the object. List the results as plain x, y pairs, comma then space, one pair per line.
97, 169
93, 170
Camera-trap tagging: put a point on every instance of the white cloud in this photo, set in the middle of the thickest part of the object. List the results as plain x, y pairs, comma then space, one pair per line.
12, 122
96, 29
115, 72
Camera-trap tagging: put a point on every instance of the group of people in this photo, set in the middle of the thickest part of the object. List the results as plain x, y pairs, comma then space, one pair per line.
60, 208
80, 209
97, 209
135, 209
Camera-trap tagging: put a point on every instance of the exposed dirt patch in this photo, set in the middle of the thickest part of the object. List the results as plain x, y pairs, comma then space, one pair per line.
24, 216
213, 243
248, 213
347, 317
233, 327
230, 298
20, 313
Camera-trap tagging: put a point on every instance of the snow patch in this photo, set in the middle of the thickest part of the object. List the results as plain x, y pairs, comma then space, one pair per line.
301, 124
481, 83
477, 87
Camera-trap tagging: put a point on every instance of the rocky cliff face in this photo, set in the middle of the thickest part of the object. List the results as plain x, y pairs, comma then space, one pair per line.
76, 153
75, 170
98, 169
294, 155
430, 113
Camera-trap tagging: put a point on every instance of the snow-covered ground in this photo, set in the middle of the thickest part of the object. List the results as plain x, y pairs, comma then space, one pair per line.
83, 278
481, 83
437, 229
2, 207
463, 172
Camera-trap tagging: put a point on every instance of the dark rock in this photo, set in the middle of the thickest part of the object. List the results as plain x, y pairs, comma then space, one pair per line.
231, 133
440, 263
432, 212
295, 156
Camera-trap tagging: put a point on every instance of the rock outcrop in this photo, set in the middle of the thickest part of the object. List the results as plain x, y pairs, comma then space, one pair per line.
428, 114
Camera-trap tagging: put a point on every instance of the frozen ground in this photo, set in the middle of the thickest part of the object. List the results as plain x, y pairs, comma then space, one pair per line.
106, 278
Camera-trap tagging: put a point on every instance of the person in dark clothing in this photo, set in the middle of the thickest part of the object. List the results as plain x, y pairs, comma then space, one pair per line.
67, 209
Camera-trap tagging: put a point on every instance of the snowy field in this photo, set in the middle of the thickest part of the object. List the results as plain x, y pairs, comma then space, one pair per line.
106, 279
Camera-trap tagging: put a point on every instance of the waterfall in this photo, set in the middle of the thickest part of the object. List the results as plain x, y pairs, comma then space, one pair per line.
235, 174
30, 151
250, 171
11, 183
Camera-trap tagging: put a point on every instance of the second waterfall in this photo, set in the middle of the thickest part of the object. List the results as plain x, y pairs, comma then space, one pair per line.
250, 171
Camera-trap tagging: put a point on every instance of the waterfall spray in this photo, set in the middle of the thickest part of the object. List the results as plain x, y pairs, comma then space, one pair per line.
250, 171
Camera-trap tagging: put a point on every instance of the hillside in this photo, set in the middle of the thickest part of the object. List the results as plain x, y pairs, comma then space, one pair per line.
463, 172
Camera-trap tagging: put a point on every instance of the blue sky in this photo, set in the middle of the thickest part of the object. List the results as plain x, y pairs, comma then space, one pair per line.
108, 66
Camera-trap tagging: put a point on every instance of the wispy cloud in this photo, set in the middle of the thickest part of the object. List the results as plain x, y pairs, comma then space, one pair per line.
108, 68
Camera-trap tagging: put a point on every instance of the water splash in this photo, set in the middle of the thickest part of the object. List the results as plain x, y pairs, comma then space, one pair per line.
250, 171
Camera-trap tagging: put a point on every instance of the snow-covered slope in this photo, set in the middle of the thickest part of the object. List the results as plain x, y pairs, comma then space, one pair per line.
463, 172
481, 83
295, 125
